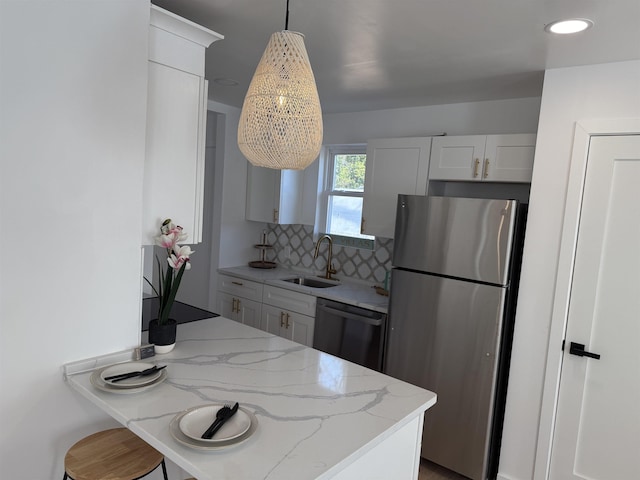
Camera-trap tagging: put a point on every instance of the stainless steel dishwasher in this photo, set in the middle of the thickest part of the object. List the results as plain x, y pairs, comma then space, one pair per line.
352, 333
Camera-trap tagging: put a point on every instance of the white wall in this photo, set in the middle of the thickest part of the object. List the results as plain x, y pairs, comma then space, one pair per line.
72, 142
233, 237
569, 94
482, 118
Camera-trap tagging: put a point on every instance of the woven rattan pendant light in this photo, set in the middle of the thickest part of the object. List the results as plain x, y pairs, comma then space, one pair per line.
281, 121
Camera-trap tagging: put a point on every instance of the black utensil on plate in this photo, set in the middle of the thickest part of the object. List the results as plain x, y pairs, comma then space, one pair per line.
143, 373
224, 414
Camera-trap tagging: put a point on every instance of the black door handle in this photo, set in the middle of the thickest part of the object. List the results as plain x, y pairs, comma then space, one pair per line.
578, 349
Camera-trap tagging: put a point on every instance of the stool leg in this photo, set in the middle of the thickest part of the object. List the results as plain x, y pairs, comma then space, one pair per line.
164, 470
65, 476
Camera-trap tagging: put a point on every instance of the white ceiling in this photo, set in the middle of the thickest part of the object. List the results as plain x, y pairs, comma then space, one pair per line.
375, 54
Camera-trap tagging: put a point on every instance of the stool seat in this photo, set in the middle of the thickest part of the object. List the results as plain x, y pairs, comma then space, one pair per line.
115, 454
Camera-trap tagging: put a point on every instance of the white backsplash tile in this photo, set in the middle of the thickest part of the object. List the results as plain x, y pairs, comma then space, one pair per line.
360, 264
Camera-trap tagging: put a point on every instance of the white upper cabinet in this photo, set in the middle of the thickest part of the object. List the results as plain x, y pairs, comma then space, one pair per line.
394, 166
488, 158
176, 124
282, 196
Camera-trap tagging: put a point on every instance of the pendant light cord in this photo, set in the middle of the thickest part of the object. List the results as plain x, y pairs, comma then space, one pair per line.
286, 22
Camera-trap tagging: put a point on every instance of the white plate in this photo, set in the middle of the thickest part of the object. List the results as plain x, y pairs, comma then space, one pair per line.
200, 444
196, 421
100, 384
127, 367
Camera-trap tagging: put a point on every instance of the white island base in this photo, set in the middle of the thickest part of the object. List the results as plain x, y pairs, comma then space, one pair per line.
319, 417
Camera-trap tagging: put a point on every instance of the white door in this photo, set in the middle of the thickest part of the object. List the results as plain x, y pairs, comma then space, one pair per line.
597, 432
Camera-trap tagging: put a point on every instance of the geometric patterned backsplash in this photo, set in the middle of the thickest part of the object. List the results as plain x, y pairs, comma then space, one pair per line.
361, 264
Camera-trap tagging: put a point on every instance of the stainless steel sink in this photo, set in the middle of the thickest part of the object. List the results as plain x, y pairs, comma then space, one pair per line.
310, 282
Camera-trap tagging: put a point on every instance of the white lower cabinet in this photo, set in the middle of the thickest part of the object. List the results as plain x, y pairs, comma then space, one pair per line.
240, 309
288, 324
240, 300
288, 314
276, 310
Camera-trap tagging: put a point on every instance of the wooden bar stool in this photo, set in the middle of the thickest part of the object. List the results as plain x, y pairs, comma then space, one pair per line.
115, 454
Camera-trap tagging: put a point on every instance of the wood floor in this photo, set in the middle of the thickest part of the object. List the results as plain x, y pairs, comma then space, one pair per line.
431, 471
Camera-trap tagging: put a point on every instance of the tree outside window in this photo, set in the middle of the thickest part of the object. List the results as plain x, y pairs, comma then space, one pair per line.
344, 193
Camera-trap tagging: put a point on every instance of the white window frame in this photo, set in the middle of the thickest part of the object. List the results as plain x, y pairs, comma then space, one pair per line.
324, 213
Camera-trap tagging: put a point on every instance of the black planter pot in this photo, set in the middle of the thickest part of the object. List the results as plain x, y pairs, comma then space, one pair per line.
162, 334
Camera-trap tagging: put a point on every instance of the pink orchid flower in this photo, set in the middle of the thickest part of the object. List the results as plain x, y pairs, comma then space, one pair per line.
180, 256
177, 258
168, 228
167, 241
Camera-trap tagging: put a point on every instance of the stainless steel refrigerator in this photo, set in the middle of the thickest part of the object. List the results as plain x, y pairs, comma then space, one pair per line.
454, 281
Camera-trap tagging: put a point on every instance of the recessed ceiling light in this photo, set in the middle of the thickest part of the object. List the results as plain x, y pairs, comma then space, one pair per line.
225, 82
573, 25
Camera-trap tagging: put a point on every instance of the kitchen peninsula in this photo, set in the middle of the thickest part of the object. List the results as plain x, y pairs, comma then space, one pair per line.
318, 417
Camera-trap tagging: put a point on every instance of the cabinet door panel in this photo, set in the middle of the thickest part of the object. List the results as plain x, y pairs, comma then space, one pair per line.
250, 312
394, 166
263, 194
281, 196
226, 305
271, 319
457, 158
173, 114
300, 328
509, 158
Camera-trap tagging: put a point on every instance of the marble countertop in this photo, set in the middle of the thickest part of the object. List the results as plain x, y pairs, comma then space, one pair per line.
316, 413
347, 291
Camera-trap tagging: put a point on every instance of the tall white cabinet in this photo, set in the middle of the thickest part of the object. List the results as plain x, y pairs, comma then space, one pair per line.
394, 165
176, 121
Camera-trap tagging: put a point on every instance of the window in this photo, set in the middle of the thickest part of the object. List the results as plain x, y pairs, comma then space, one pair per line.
343, 195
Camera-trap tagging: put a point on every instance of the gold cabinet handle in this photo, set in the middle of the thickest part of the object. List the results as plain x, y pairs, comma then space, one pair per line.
287, 321
476, 164
486, 167
362, 224
282, 314
238, 306
275, 215
238, 283
233, 305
